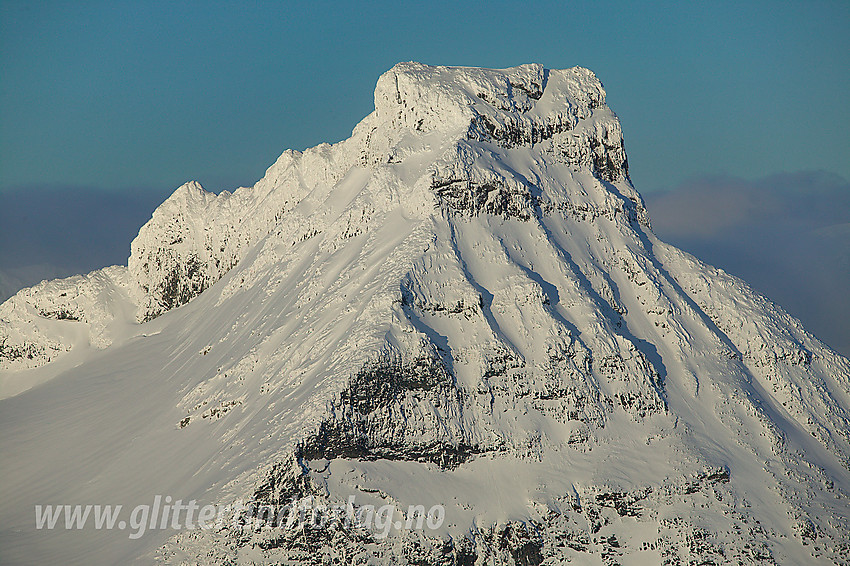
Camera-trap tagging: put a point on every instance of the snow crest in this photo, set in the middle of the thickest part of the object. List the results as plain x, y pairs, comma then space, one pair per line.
454, 114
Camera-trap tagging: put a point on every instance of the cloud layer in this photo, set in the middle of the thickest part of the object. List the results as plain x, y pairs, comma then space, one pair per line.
787, 235
49, 232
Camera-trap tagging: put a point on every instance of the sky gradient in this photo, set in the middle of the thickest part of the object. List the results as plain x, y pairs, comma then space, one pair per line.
735, 116
147, 95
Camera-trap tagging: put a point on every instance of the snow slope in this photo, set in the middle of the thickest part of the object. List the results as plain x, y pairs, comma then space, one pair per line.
461, 304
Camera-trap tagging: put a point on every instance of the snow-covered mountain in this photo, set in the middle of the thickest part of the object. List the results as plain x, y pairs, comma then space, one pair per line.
462, 304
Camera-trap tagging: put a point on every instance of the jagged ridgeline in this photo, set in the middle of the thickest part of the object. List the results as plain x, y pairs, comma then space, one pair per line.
462, 304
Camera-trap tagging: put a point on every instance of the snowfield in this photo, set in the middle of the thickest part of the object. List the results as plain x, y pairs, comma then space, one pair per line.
463, 304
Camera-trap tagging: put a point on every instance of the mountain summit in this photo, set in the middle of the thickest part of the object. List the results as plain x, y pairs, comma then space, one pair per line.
462, 304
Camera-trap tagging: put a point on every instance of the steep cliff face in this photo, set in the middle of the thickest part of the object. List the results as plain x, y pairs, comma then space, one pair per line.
463, 304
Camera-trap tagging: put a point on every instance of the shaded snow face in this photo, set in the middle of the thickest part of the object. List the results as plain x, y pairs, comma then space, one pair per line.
462, 304
787, 235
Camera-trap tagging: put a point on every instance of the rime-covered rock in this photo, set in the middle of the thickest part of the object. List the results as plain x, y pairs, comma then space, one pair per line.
42, 322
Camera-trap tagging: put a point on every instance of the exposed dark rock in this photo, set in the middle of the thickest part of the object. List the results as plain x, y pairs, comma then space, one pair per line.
370, 420
469, 198
61, 314
27, 350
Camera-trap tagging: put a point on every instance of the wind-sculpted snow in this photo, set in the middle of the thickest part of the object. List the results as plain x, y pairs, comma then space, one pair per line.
42, 322
462, 304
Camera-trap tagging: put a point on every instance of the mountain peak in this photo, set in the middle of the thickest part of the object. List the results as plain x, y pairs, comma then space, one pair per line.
519, 106
461, 304
416, 94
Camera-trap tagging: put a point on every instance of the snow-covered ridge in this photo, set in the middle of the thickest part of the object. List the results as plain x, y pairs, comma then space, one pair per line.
451, 113
44, 321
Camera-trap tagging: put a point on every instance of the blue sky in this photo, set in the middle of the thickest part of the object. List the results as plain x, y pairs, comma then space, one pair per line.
146, 95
